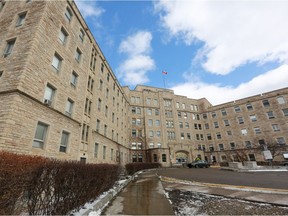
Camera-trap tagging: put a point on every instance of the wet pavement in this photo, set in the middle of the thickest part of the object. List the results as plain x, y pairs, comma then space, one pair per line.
143, 196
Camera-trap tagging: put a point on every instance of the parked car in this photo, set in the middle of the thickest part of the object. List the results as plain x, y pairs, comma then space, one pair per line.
199, 164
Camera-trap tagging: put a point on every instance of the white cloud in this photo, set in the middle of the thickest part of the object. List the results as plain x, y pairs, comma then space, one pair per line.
138, 62
89, 8
234, 32
216, 94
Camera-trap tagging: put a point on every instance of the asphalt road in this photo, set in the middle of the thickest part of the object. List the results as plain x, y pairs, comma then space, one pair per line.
277, 180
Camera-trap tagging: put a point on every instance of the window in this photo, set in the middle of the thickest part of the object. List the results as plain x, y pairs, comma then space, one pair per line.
81, 35
164, 158
249, 106
107, 93
68, 14
211, 148
104, 152
218, 135
102, 67
189, 136
40, 135
275, 127
96, 147
181, 124
56, 62
221, 147
150, 122
9, 47
224, 113
49, 94
21, 19
280, 100
63, 36
182, 135
99, 104
214, 115
74, 78
156, 112
157, 122
257, 130
186, 124
151, 145
270, 115
266, 103
148, 101
155, 102
111, 154
159, 145
237, 109
183, 106
185, 115
149, 111
2, 3
78, 55
281, 140
285, 112
106, 111
167, 103
88, 105
177, 105
151, 133
244, 131
98, 125
133, 133
226, 122
204, 116
169, 124
158, 133
229, 133
240, 120
248, 144
253, 118
251, 157
179, 114
105, 130
64, 141
207, 126
1, 73
108, 77
69, 107
209, 137
216, 125
232, 145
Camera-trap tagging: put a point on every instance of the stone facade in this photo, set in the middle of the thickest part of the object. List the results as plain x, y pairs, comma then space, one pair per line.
59, 98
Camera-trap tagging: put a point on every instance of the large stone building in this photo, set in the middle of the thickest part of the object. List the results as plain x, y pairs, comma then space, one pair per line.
59, 98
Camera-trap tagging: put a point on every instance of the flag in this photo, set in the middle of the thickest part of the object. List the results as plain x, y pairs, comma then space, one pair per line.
164, 72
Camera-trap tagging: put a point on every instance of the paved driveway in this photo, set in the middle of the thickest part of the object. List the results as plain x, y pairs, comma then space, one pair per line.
277, 180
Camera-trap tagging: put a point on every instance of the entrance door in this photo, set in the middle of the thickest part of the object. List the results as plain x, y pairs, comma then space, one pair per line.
181, 157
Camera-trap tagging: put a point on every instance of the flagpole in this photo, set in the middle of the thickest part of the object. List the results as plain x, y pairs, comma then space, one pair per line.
163, 75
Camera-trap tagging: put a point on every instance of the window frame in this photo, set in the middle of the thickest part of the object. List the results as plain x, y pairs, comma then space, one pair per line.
64, 146
41, 142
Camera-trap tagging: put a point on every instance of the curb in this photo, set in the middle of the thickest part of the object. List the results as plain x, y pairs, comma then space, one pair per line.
225, 186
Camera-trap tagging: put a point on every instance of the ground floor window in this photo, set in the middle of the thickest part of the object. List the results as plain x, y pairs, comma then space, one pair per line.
164, 158
134, 158
252, 157
155, 157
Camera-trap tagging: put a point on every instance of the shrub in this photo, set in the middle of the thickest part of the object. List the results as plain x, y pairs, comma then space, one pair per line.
132, 168
40, 186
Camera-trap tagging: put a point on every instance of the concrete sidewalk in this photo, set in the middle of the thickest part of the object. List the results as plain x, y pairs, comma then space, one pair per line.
143, 196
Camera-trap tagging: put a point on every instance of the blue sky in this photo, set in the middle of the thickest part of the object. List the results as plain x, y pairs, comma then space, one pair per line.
223, 50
